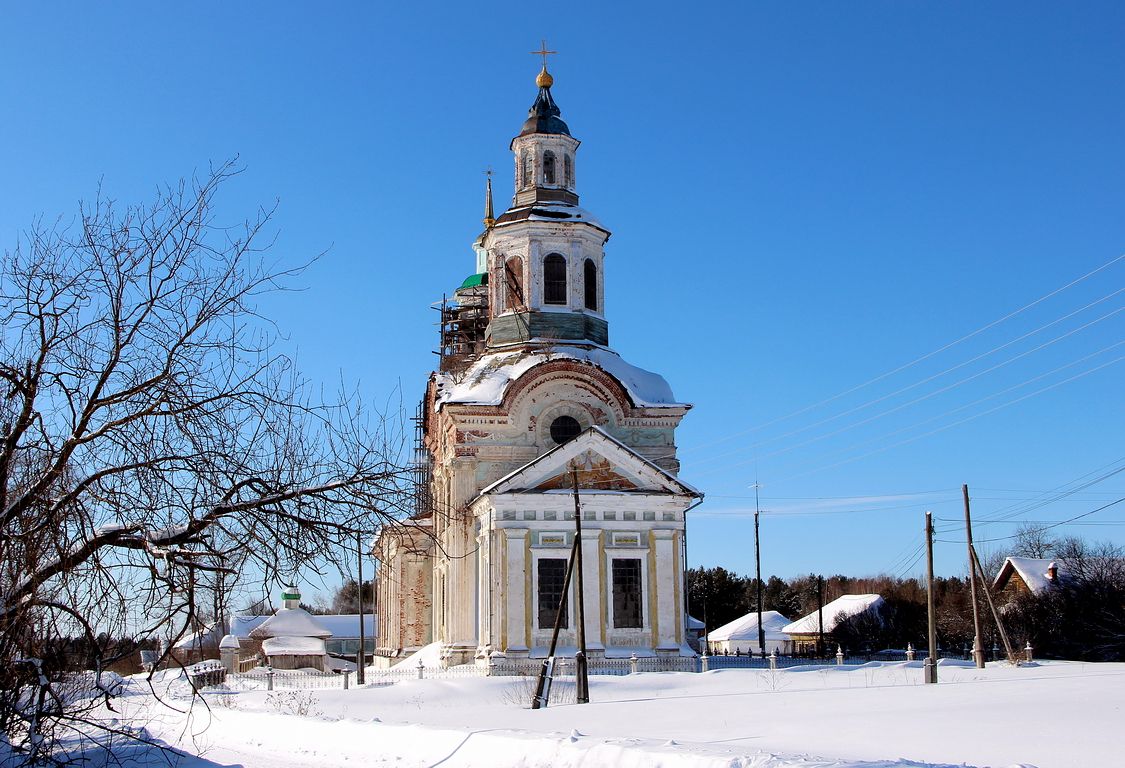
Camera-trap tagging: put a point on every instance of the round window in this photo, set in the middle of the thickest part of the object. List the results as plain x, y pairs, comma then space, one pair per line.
565, 428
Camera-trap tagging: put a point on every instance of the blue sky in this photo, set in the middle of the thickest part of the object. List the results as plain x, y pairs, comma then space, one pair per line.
804, 197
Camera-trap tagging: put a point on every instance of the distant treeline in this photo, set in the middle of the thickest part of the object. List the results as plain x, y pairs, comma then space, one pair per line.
1082, 618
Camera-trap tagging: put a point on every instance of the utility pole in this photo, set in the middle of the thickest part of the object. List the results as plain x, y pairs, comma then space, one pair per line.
931, 619
582, 681
992, 606
978, 649
361, 655
758, 574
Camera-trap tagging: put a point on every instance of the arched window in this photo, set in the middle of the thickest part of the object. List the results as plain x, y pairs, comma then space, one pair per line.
513, 279
590, 284
528, 176
548, 167
554, 279
568, 171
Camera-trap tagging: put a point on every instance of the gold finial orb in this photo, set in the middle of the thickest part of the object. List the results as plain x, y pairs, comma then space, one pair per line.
544, 79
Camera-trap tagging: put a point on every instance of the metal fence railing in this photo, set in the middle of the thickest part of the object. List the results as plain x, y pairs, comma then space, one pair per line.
211, 676
759, 661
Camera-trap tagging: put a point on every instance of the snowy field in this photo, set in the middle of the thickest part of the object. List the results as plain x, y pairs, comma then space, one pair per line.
1049, 715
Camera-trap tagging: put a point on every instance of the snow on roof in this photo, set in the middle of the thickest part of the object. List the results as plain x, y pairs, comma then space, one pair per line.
294, 646
487, 379
291, 622
694, 623
589, 440
228, 642
209, 635
746, 627
840, 608
347, 624
1033, 571
554, 212
242, 625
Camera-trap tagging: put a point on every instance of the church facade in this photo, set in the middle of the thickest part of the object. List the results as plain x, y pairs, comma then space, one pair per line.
530, 402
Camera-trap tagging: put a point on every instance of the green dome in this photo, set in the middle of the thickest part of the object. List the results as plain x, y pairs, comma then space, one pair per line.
473, 281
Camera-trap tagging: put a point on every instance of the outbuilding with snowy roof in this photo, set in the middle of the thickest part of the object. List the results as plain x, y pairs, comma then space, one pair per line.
741, 635
293, 638
1028, 575
805, 632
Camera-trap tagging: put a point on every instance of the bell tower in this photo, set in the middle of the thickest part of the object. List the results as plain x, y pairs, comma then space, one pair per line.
545, 254
527, 396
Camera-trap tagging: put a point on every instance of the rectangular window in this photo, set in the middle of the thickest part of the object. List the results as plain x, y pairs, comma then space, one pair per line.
552, 573
627, 593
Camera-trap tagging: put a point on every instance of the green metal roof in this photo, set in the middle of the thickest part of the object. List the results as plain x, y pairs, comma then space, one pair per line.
474, 280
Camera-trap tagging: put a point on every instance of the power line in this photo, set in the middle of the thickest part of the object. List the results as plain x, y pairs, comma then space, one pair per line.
882, 438
915, 361
1061, 491
916, 400
1046, 527
960, 421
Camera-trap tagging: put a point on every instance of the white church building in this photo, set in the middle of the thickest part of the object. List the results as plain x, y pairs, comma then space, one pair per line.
529, 395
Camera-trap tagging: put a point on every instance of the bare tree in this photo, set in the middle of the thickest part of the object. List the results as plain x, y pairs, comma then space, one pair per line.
153, 445
1033, 541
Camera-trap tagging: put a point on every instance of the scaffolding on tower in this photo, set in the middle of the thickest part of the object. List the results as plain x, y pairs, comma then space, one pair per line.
421, 466
463, 325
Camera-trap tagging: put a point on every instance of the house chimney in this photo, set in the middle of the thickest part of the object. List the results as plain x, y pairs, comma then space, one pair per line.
1053, 572
291, 597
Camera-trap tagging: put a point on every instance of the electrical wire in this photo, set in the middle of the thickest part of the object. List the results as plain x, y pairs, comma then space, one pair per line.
915, 361
959, 421
883, 438
1044, 528
915, 401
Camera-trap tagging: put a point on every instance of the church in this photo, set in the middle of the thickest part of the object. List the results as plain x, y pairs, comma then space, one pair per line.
529, 402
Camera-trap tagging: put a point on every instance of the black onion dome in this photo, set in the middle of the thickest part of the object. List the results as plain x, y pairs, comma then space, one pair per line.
543, 117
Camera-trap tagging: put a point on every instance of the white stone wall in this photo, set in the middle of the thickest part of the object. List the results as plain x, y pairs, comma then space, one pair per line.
532, 241
517, 522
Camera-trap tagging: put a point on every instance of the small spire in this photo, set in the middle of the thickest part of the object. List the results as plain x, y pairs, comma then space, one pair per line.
489, 219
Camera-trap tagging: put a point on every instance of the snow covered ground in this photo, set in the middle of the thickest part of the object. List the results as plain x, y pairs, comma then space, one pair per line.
1049, 715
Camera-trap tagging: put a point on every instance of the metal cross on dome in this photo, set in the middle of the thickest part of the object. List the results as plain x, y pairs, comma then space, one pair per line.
543, 52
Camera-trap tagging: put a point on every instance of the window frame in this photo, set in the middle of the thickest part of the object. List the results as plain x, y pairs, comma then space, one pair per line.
590, 285
555, 288
547, 621
557, 420
550, 169
527, 169
619, 597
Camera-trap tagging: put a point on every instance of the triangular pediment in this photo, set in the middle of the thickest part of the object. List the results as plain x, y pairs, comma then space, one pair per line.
595, 472
603, 465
